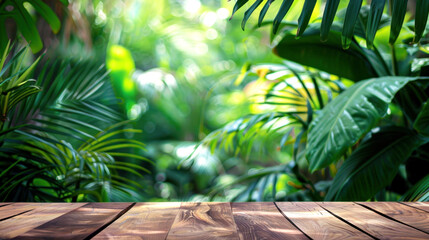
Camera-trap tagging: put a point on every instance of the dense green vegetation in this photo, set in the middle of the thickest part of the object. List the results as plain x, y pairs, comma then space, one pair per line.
167, 100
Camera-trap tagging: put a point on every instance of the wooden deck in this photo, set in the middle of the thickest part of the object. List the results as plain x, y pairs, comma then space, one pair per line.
279, 220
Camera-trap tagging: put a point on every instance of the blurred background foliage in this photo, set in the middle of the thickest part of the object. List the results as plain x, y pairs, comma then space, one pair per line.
221, 117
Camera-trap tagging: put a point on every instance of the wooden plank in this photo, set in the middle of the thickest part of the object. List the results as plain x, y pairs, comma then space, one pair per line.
9, 211
42, 213
411, 216
79, 223
318, 223
372, 222
263, 221
203, 221
4, 204
144, 221
420, 205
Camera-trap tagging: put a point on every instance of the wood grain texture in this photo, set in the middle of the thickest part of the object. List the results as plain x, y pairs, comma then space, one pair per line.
420, 205
11, 210
4, 204
402, 213
372, 222
317, 223
203, 221
41, 214
263, 221
79, 223
149, 221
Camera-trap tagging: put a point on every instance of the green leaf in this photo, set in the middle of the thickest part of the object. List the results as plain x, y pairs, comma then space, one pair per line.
419, 192
352, 15
264, 11
284, 8
422, 11
328, 17
49, 15
398, 15
237, 6
348, 117
27, 27
249, 12
327, 56
422, 122
373, 165
305, 16
376, 11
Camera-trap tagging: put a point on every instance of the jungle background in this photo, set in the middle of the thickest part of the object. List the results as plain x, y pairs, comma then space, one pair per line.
171, 100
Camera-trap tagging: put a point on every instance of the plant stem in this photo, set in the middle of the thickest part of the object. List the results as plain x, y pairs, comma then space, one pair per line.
394, 61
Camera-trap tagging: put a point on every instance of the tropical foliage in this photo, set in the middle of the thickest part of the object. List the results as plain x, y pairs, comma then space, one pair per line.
61, 137
338, 111
366, 138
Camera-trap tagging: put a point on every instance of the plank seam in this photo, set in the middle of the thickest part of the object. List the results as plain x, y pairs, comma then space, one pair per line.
6, 218
233, 219
388, 217
284, 215
413, 206
349, 223
171, 225
4, 205
93, 234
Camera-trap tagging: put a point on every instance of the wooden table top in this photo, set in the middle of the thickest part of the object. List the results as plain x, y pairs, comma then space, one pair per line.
172, 220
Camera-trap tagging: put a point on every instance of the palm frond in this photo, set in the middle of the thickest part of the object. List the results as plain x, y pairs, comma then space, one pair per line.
353, 9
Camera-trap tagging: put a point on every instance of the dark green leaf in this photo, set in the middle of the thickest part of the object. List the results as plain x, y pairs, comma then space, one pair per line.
237, 6
328, 17
422, 10
376, 11
348, 117
305, 16
264, 11
249, 12
422, 122
373, 165
352, 15
419, 192
398, 15
327, 56
284, 8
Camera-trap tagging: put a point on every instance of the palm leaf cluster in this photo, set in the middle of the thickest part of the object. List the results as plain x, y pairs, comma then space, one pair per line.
290, 100
351, 20
66, 141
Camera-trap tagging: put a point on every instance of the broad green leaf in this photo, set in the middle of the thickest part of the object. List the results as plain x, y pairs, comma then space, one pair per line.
27, 27
49, 15
352, 15
284, 8
328, 17
422, 122
264, 11
398, 15
373, 165
305, 16
348, 117
422, 11
375, 13
249, 12
326, 56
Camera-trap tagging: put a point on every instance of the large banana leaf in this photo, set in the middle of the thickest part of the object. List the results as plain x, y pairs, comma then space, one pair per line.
328, 56
373, 165
348, 117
